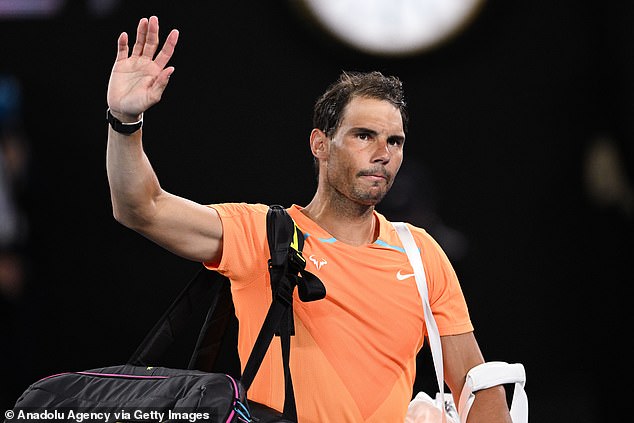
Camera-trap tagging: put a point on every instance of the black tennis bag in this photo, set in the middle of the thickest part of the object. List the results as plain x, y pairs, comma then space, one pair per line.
211, 389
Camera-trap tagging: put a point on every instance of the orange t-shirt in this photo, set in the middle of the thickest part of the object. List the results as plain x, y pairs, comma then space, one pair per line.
353, 356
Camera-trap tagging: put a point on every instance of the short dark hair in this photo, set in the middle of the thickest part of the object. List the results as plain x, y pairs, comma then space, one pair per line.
328, 109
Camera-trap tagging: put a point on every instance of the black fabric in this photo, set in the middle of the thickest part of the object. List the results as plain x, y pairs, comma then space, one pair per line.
309, 287
133, 389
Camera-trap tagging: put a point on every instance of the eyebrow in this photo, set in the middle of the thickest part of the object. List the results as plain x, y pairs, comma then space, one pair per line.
361, 130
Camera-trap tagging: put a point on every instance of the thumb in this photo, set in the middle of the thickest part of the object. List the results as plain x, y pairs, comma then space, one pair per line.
163, 78
159, 85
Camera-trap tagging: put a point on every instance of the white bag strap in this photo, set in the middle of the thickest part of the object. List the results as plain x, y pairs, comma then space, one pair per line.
483, 376
414, 256
491, 374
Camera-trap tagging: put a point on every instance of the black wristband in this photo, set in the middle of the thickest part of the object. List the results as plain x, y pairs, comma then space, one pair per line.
121, 127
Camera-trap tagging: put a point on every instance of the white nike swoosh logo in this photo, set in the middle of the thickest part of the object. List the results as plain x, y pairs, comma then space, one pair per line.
401, 276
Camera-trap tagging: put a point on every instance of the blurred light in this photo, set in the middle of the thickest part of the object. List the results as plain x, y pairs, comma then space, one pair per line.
21, 9
10, 99
29, 8
102, 7
393, 26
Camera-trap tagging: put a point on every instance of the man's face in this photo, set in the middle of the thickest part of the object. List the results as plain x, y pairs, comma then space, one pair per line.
366, 151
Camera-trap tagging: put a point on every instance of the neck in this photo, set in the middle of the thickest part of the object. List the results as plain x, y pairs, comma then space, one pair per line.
349, 222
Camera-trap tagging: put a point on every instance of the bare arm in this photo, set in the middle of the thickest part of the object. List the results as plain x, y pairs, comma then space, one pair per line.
460, 354
137, 82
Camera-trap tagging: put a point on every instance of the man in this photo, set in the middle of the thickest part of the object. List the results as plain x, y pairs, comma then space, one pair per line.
354, 352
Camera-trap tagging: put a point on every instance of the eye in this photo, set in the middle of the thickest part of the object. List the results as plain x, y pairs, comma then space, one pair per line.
397, 141
364, 136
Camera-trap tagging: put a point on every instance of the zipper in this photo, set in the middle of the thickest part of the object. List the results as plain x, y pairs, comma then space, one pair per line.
103, 375
239, 410
115, 375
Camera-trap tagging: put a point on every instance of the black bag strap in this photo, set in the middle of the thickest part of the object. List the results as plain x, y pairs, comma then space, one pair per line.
280, 233
286, 270
218, 337
205, 290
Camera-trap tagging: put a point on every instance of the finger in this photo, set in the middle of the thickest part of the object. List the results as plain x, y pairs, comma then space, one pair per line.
122, 47
168, 49
152, 39
141, 33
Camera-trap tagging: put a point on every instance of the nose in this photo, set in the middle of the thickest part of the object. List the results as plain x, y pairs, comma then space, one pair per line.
382, 153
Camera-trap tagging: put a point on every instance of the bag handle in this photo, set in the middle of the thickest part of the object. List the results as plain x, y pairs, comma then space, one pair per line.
493, 373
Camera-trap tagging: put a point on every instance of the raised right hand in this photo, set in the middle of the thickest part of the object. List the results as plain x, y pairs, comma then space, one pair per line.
137, 82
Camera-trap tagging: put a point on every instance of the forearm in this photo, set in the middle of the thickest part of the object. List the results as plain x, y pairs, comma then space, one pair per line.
461, 353
489, 406
134, 186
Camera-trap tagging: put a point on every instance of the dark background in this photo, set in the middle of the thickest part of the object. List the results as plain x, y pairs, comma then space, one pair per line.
503, 119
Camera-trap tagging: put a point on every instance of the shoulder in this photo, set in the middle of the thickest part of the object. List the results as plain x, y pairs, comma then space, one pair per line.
244, 241
230, 210
240, 218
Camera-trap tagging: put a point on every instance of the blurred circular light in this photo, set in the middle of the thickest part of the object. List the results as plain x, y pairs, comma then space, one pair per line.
392, 27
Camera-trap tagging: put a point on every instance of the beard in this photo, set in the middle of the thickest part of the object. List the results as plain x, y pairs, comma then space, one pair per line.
370, 195
360, 190
373, 194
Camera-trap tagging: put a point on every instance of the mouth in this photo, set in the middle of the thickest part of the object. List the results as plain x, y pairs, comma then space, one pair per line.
374, 175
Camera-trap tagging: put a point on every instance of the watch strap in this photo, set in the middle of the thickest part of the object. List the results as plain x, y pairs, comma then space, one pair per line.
123, 127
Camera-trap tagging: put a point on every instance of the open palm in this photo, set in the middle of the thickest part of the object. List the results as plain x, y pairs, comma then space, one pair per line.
137, 82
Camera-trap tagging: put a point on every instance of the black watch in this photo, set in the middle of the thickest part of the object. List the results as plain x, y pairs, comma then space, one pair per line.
121, 127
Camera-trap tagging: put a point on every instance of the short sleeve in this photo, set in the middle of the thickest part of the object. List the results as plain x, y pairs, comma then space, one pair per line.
244, 243
446, 299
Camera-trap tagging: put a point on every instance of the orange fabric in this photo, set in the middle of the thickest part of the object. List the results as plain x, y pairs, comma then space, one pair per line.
354, 353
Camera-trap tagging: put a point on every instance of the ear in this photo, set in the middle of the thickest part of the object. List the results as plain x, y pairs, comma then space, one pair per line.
319, 143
